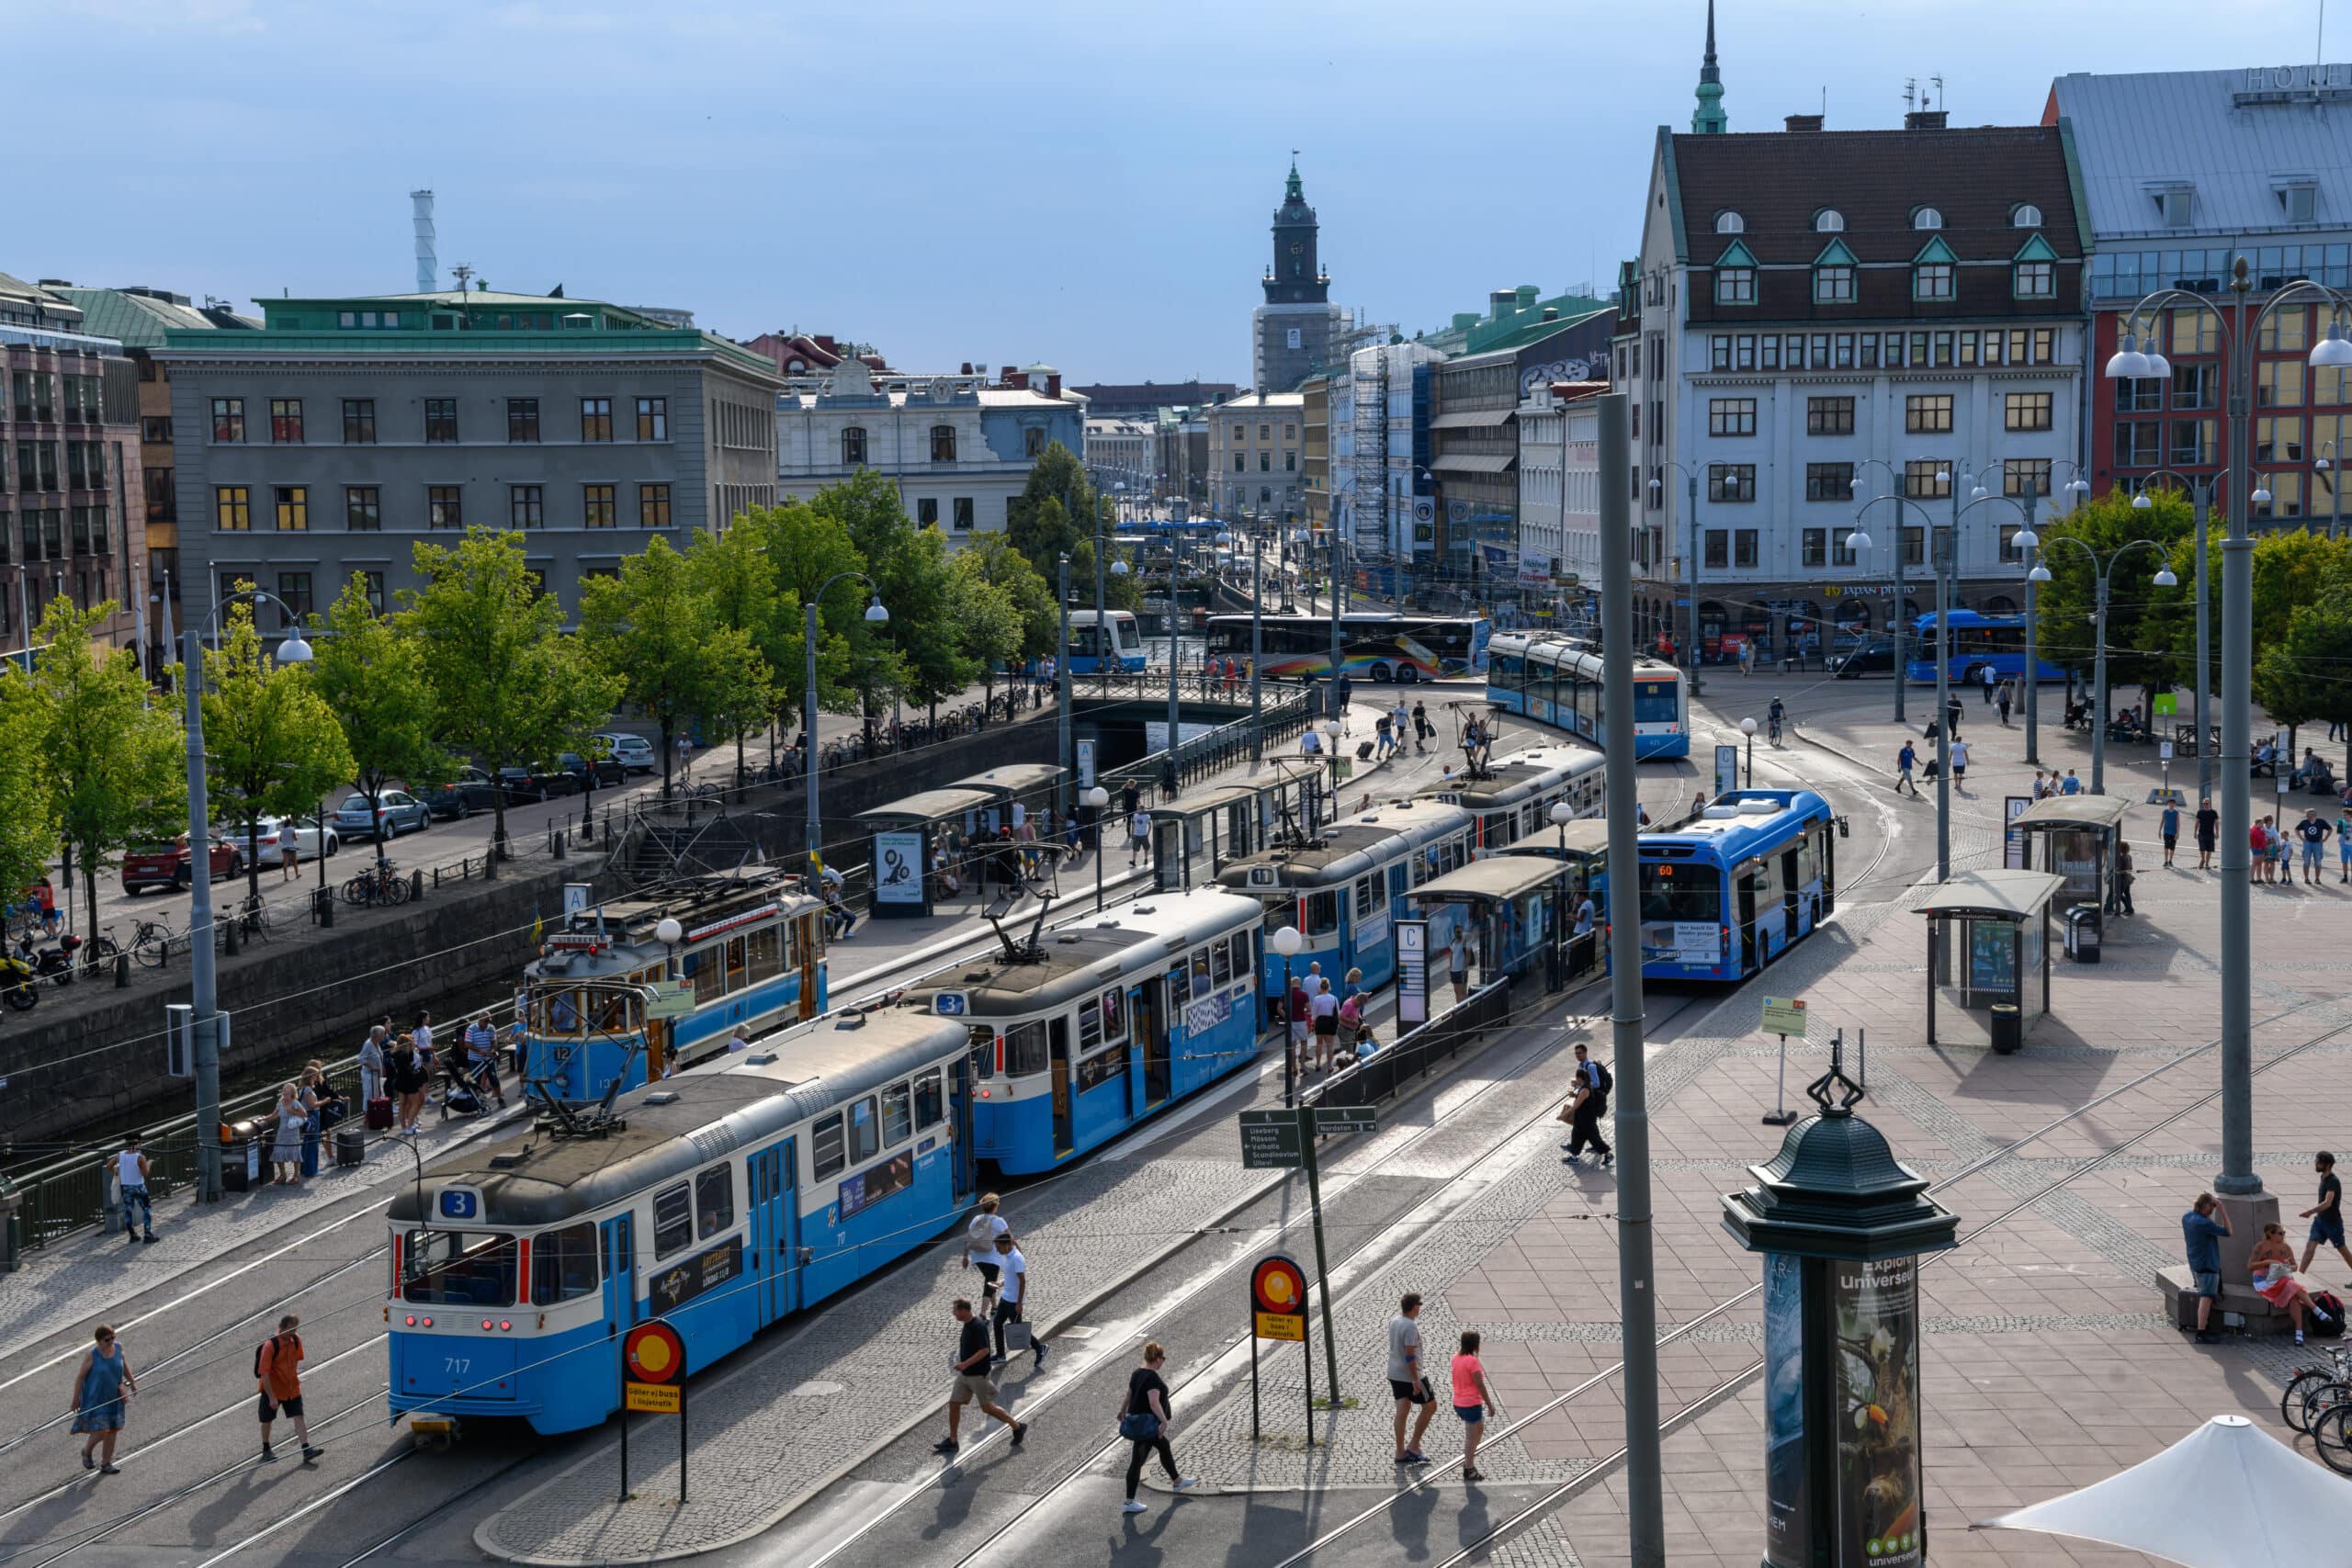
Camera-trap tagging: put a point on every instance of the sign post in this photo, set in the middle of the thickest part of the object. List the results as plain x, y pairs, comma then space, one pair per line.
1278, 1311
1412, 974
1726, 769
1283, 1140
1783, 1016
653, 1359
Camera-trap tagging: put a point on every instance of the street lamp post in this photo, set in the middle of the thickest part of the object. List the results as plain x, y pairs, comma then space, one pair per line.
1748, 728
1691, 482
2027, 542
204, 1014
875, 616
2201, 497
1895, 622
1062, 679
1287, 941
1097, 800
2102, 573
1257, 651
2237, 1178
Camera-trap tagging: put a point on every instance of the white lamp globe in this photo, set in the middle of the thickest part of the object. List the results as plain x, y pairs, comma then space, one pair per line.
1287, 941
669, 933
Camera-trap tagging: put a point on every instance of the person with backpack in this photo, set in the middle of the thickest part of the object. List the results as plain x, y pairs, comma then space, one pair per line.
1583, 1110
277, 1362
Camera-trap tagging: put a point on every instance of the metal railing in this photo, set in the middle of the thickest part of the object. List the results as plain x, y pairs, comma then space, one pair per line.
1391, 1068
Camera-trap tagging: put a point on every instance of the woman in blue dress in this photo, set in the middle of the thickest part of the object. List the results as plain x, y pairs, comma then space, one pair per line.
101, 1387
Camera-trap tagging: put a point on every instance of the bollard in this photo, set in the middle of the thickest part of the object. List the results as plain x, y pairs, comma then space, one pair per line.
555, 836
228, 931
122, 971
416, 886
324, 898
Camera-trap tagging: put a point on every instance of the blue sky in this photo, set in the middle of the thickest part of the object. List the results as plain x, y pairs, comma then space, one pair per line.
1089, 185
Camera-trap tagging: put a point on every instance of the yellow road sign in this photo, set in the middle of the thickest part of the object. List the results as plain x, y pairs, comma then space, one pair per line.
661, 1398
1288, 1326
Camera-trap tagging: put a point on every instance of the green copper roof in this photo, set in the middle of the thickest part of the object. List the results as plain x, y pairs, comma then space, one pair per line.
138, 321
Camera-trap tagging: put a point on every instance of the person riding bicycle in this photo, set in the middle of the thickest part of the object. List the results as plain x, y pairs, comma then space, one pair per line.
1774, 716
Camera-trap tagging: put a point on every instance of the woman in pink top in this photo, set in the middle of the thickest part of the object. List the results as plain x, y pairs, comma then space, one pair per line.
1471, 1398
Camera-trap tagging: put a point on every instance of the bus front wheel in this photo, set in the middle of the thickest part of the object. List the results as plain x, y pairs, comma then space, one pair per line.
1408, 675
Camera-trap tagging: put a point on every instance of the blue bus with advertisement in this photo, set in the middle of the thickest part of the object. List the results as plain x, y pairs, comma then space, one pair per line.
1972, 644
1722, 894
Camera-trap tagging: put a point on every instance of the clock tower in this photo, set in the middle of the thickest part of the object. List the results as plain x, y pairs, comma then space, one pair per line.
1295, 278
1297, 330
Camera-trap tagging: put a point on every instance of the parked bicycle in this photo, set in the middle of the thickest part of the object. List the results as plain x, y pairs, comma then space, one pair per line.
150, 942
380, 883
98, 953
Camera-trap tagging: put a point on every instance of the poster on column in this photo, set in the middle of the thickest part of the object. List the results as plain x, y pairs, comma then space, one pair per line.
1784, 1520
1877, 1412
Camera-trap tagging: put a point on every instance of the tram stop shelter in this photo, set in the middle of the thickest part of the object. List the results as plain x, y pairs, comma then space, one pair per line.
1518, 911
904, 834
2079, 836
1013, 791
1192, 839
1988, 950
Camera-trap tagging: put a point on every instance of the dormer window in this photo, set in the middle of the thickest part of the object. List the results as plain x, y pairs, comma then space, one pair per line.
1730, 223
2034, 270
1933, 271
1828, 220
2025, 215
1735, 276
2299, 201
1833, 275
2175, 205
1927, 218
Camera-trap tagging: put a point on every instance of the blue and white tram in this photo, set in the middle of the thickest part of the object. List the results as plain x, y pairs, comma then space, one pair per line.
1121, 644
1345, 891
1557, 679
1724, 896
1108, 1021
750, 950
720, 1201
1525, 787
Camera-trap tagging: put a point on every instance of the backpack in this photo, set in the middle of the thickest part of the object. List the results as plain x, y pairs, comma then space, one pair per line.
1602, 1081
2327, 1319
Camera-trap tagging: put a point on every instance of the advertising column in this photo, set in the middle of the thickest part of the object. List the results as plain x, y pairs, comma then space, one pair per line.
1877, 1408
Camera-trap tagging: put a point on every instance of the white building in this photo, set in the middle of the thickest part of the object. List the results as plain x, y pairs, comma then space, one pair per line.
1559, 490
1123, 452
958, 448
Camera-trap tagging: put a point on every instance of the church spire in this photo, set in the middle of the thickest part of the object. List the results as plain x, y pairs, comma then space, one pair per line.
1708, 118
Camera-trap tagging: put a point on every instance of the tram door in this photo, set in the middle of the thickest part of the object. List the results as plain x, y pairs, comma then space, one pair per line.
1059, 1030
773, 1218
807, 947
1148, 1016
620, 1294
1750, 939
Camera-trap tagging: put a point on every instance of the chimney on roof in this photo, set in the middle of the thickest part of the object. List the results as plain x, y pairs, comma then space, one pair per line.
1551, 312
1796, 122
1924, 119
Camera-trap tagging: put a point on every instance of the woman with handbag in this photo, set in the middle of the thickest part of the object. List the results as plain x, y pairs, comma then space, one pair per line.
1143, 1421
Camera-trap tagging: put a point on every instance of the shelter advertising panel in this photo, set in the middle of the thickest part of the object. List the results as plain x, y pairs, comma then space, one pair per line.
1877, 1411
1784, 1512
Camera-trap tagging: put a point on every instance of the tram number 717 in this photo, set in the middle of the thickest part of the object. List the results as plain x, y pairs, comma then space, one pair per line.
459, 1364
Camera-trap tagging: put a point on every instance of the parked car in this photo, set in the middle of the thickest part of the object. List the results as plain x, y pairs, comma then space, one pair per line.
469, 792
1873, 656
634, 752
536, 781
159, 865
609, 769
396, 813
272, 835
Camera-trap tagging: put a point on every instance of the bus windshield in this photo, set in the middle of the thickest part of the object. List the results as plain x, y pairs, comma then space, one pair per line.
1690, 891
1654, 702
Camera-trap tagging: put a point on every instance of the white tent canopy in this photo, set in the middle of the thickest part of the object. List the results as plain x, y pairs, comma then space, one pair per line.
2228, 1496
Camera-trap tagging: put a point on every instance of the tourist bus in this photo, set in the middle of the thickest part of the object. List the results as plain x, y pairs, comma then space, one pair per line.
1374, 646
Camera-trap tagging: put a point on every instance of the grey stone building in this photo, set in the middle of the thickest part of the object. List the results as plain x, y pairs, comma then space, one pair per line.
345, 431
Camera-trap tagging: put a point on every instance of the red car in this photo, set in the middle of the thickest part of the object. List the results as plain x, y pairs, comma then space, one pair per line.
166, 865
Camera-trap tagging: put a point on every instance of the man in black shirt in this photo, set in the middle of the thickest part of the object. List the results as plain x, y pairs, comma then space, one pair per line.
970, 1369
2327, 1215
2209, 832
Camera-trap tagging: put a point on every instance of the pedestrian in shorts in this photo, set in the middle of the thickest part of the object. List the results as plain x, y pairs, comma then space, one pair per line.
1325, 1008
1407, 1381
1904, 761
131, 1169
1472, 1398
2202, 1230
2168, 824
2326, 1215
970, 1371
277, 1369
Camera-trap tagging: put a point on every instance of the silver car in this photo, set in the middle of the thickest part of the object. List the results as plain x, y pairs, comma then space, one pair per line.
634, 752
398, 812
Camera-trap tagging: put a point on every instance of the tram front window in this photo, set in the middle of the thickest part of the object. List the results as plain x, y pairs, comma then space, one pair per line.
564, 1264
555, 1011
1688, 893
1322, 914
460, 1269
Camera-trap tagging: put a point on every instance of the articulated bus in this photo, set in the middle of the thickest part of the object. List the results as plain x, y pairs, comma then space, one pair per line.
1557, 679
1373, 647
1973, 642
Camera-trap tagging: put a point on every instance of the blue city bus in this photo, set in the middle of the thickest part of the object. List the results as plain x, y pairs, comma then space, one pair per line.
1085, 650
1730, 891
750, 955
1345, 890
1108, 1021
1974, 641
1557, 679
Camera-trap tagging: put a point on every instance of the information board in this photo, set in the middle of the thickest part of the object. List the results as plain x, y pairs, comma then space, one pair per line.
897, 867
1270, 1140
1785, 1015
1412, 973
1726, 768
2014, 849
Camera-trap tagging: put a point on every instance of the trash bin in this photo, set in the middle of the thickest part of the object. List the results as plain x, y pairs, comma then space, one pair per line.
241, 1155
2082, 933
2007, 1029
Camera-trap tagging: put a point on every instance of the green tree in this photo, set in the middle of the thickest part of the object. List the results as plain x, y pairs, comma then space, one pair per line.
915, 586
27, 800
2305, 673
1048, 517
2140, 616
374, 679
733, 573
811, 547
660, 636
991, 557
508, 686
990, 625
112, 768
275, 745
2291, 568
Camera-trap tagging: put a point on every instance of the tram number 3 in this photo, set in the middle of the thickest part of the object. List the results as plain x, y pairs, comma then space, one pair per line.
458, 1364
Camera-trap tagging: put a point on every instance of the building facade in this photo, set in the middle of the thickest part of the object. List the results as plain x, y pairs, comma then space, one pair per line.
2184, 172
1297, 329
1390, 509
1185, 475
1144, 399
69, 470
1255, 446
1314, 450
1123, 452
1831, 328
957, 448
138, 317
344, 431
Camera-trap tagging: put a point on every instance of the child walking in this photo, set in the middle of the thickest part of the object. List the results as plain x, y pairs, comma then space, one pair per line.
1471, 1399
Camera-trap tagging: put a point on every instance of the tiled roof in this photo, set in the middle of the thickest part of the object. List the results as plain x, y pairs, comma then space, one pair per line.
2151, 128
1779, 183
